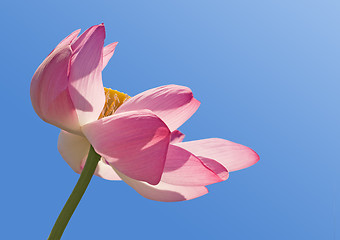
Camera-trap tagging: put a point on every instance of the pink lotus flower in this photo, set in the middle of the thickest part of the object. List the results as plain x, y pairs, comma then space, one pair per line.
136, 137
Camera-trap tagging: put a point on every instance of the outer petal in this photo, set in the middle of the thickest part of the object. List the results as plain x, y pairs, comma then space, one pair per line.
74, 149
85, 77
185, 169
135, 143
172, 103
232, 155
49, 91
176, 136
69, 39
164, 192
105, 171
108, 52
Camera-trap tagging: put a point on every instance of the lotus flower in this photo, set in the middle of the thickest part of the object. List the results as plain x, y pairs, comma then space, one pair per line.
137, 138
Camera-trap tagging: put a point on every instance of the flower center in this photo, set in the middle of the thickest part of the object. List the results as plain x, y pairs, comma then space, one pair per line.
113, 100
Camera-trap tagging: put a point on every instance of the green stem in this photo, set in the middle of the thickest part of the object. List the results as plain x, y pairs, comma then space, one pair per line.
77, 193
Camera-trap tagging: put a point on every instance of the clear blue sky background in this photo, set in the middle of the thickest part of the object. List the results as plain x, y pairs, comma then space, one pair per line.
267, 75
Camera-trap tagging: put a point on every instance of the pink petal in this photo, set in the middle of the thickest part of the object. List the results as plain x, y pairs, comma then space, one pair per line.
105, 171
134, 142
49, 91
185, 169
164, 192
216, 167
74, 149
232, 155
172, 103
85, 77
108, 52
87, 35
176, 137
69, 39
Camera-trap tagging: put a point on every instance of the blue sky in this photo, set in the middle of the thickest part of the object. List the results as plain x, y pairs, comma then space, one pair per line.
267, 75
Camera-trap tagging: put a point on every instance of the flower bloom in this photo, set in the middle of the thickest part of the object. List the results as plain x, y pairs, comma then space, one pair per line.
136, 137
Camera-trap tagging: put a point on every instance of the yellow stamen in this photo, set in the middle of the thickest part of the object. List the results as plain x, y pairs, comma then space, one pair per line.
113, 100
